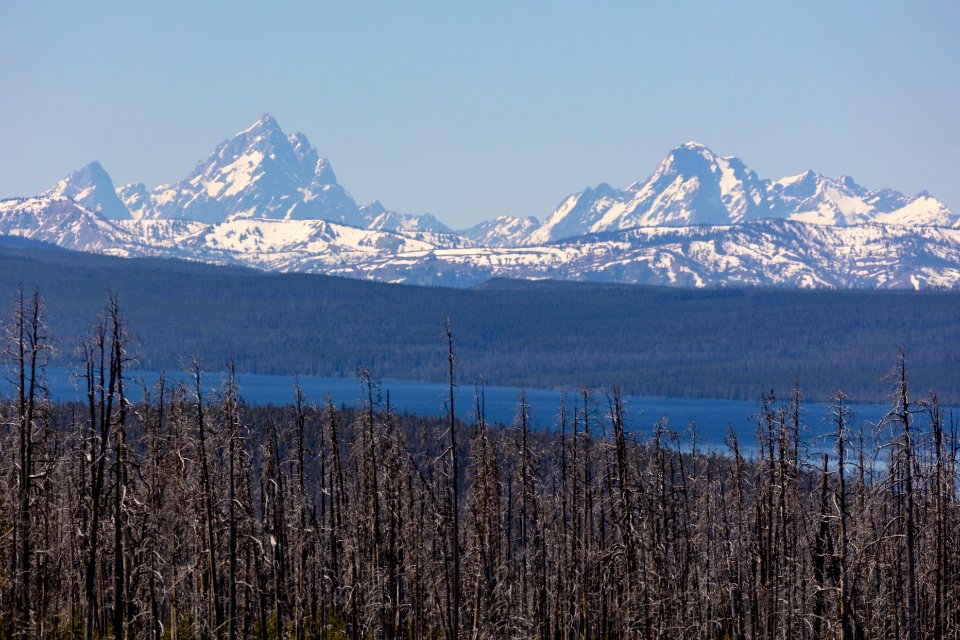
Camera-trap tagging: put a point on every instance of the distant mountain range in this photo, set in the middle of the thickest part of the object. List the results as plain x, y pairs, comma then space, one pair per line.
693, 186
268, 200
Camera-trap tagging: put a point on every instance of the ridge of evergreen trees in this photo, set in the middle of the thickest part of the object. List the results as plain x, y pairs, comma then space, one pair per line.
655, 341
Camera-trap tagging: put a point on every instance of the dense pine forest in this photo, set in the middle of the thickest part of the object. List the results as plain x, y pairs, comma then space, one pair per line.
192, 515
654, 341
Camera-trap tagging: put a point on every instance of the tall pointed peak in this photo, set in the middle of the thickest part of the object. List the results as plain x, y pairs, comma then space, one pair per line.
92, 172
266, 123
91, 186
89, 175
264, 137
93, 166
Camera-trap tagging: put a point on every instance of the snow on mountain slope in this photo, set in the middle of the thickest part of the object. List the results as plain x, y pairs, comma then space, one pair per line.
761, 252
809, 197
503, 231
379, 218
268, 200
92, 187
695, 186
691, 186
922, 210
64, 222
137, 200
260, 172
284, 245
757, 252
579, 213
170, 235
259, 236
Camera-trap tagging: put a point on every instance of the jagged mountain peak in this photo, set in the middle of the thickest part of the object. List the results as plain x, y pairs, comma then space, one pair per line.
264, 173
265, 145
92, 187
691, 185
267, 198
92, 171
267, 120
266, 123
267, 139
260, 172
89, 174
694, 185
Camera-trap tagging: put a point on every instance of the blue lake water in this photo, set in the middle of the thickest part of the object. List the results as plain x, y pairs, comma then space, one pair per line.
713, 417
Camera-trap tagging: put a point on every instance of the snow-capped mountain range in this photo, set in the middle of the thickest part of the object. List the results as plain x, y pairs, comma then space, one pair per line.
693, 186
268, 200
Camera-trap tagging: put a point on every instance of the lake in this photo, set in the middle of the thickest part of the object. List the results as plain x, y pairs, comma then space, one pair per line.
713, 417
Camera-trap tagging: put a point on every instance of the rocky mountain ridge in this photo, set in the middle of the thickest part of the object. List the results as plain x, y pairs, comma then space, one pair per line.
269, 200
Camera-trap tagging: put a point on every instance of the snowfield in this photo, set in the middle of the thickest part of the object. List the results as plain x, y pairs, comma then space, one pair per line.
766, 252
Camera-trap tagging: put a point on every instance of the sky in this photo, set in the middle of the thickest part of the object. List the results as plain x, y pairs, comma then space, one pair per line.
473, 110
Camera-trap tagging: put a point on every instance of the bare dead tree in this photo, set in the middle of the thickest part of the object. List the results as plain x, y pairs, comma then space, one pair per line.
173, 517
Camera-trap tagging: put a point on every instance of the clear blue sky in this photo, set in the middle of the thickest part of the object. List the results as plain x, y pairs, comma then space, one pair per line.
471, 110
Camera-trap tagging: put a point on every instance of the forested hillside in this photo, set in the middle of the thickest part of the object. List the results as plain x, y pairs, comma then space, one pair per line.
716, 343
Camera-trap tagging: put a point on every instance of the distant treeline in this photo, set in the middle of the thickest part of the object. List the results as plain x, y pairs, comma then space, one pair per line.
651, 340
189, 516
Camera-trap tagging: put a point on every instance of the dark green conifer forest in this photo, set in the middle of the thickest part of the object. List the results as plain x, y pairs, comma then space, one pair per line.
715, 343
